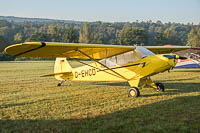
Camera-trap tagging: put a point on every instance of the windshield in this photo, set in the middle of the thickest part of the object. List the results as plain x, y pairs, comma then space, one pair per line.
143, 52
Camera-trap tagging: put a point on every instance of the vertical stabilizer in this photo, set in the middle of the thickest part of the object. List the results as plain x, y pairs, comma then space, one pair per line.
61, 65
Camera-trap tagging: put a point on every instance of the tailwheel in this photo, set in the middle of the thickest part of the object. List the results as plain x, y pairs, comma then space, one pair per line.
59, 84
133, 92
160, 87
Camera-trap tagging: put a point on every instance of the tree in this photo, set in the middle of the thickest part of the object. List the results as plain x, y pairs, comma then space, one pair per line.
160, 39
98, 38
7, 33
4, 23
194, 38
158, 33
2, 43
6, 57
70, 35
18, 38
39, 37
86, 35
170, 34
132, 35
55, 33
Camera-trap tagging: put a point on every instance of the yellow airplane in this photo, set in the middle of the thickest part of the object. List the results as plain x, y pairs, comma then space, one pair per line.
134, 64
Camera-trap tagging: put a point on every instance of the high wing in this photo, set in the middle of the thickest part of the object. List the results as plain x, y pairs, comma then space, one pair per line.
167, 49
68, 50
78, 50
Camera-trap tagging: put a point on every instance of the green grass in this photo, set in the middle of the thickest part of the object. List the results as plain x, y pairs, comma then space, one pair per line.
29, 103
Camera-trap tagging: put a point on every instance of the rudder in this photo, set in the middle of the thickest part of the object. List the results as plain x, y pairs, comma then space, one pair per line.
61, 65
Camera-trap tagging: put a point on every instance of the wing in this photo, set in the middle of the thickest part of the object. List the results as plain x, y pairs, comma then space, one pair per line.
167, 49
76, 50
68, 50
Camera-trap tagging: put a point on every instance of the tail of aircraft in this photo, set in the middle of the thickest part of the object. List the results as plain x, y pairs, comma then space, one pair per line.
62, 65
61, 69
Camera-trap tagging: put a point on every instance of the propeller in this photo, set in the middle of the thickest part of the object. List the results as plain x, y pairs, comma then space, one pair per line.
174, 57
182, 57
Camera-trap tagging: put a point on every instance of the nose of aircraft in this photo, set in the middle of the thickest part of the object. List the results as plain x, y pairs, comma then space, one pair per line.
165, 62
173, 59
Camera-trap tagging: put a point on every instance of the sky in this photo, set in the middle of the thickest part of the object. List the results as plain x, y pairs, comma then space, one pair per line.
179, 11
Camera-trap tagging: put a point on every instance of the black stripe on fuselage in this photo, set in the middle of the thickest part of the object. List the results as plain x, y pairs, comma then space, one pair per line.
43, 45
127, 66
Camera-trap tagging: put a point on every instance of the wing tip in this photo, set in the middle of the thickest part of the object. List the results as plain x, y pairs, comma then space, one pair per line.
9, 48
196, 48
17, 49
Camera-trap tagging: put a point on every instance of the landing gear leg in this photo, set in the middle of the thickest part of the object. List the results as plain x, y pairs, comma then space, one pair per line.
157, 86
59, 84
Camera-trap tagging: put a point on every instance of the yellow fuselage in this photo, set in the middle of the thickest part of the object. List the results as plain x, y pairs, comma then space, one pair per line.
145, 67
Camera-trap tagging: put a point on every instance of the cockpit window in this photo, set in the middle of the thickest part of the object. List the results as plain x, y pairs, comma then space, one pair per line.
121, 59
128, 57
143, 52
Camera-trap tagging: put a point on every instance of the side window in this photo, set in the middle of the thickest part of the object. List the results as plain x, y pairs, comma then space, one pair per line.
126, 58
121, 59
103, 61
111, 61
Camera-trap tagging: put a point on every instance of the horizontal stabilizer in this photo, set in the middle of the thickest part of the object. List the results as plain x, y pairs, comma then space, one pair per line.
54, 74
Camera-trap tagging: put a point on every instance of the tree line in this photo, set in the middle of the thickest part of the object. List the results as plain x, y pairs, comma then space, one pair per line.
140, 33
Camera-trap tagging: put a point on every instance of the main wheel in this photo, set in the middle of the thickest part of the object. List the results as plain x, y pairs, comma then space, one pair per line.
160, 87
133, 92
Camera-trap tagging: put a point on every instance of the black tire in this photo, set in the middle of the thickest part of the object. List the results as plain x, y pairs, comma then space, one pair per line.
133, 92
59, 84
160, 87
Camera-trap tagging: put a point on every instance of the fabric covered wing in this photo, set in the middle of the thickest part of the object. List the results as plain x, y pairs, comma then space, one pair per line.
68, 50
72, 50
167, 49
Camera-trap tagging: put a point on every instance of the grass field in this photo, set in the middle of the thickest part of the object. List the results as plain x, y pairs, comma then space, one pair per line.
29, 103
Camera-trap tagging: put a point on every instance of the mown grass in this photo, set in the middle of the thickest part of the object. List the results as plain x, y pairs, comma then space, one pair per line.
29, 103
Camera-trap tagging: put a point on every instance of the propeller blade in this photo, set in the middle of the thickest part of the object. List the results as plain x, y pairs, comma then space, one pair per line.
182, 57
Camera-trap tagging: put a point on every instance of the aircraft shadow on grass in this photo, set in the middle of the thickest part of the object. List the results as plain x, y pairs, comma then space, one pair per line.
179, 115
171, 88
194, 70
19, 104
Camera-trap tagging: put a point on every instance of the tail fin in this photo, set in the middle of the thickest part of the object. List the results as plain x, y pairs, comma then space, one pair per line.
62, 70
61, 66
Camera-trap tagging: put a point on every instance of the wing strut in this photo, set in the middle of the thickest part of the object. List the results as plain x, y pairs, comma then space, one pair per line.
101, 64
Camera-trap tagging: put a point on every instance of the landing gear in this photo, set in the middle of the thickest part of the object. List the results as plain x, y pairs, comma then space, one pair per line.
160, 87
59, 84
133, 92
140, 83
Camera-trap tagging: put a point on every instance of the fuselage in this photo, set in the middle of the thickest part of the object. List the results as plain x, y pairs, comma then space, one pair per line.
145, 67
